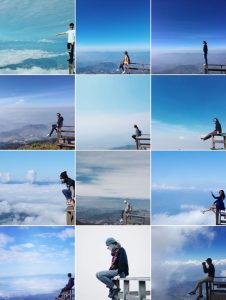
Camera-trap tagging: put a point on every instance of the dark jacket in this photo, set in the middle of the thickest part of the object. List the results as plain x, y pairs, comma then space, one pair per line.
218, 127
219, 202
70, 183
210, 270
60, 122
205, 49
120, 262
70, 284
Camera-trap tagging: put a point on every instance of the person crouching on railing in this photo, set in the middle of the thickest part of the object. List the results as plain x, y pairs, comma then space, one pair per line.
69, 193
210, 270
67, 287
137, 132
119, 267
218, 130
125, 63
57, 127
218, 204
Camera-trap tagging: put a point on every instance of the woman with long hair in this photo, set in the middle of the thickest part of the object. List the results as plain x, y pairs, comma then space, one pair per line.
218, 204
125, 63
217, 130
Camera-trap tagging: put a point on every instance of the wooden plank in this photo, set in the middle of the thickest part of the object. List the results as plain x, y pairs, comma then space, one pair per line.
142, 290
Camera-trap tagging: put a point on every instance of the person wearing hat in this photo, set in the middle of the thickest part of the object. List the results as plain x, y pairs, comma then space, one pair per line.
119, 267
57, 127
67, 287
208, 268
205, 51
71, 41
69, 193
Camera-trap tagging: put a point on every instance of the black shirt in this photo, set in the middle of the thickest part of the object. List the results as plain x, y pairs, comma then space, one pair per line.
121, 263
210, 270
218, 127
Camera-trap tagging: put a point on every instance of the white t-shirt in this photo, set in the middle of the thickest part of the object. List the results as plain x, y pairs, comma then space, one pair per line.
71, 36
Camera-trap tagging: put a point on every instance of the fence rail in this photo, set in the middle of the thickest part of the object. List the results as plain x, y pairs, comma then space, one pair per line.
141, 292
66, 137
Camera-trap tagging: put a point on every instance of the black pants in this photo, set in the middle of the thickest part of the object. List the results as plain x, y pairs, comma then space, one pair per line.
205, 57
209, 135
70, 48
54, 128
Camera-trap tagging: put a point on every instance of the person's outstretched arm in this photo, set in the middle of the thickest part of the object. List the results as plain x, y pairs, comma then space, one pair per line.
61, 33
214, 196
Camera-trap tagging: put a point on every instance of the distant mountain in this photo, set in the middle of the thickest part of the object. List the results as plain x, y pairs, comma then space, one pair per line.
32, 297
126, 147
181, 69
99, 68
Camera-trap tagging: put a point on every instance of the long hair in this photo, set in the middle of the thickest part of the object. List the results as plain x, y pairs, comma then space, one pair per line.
222, 194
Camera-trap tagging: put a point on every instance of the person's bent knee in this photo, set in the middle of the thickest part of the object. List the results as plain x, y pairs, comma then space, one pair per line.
98, 275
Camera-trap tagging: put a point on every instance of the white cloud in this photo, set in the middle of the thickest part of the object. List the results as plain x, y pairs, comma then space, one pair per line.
5, 177
5, 239
38, 204
34, 71
31, 176
177, 136
107, 130
66, 233
9, 57
174, 241
124, 174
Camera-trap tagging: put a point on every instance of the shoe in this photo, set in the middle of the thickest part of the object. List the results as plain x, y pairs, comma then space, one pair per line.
199, 297
191, 293
110, 291
48, 135
114, 292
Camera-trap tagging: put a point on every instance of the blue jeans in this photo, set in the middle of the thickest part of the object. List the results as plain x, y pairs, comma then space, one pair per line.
106, 277
67, 194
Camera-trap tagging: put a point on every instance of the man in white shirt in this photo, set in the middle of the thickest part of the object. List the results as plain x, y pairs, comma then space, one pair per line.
71, 41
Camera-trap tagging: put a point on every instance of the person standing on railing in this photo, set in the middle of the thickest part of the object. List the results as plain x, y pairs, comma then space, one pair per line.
69, 193
71, 41
205, 51
67, 287
138, 132
125, 63
217, 130
57, 127
208, 268
119, 267
127, 210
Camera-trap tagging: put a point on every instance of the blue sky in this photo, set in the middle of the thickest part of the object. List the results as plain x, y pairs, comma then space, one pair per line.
37, 90
33, 21
36, 250
189, 168
184, 109
42, 163
108, 109
118, 24
185, 24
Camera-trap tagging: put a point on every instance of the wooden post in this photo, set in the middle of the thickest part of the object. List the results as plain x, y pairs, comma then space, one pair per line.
71, 68
205, 69
213, 142
224, 142
70, 215
142, 290
125, 289
217, 217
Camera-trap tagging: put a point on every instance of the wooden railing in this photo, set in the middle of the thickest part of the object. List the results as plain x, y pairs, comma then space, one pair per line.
139, 67
135, 219
141, 292
216, 141
214, 68
70, 215
66, 137
220, 217
216, 290
143, 142
68, 295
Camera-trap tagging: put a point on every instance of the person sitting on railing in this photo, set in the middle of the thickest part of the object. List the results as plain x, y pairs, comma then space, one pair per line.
205, 51
57, 127
218, 130
138, 132
210, 270
119, 267
125, 63
218, 204
67, 287
69, 193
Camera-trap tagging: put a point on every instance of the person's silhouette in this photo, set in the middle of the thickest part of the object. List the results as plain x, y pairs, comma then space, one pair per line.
205, 51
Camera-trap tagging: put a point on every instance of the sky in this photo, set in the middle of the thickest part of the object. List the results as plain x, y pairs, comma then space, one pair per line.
28, 100
183, 25
35, 251
181, 253
184, 110
31, 194
113, 174
24, 20
108, 109
116, 25
92, 251
181, 186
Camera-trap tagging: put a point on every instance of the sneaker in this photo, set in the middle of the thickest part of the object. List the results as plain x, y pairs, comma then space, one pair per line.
110, 291
191, 293
114, 292
199, 297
